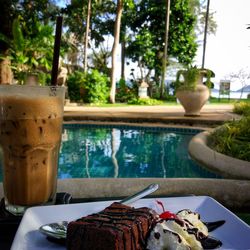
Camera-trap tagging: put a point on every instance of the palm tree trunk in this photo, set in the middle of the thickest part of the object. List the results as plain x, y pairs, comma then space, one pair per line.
87, 37
114, 49
123, 59
205, 36
165, 55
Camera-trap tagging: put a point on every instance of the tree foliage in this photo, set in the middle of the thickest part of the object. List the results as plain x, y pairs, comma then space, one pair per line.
142, 32
30, 54
148, 27
102, 19
32, 12
26, 36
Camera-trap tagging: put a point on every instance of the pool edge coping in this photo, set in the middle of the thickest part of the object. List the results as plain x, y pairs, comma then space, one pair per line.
228, 192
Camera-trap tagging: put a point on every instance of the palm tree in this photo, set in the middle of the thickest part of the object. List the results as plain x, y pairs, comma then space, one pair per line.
165, 55
87, 36
115, 47
205, 35
100, 59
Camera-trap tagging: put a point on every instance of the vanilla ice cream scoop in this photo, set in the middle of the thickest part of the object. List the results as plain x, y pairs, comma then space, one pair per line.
194, 219
173, 232
161, 238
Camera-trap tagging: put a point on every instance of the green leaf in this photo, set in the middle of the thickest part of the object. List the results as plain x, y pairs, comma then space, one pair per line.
34, 61
18, 39
4, 38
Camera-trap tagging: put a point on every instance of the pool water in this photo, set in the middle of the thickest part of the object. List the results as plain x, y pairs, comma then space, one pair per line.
94, 151
98, 151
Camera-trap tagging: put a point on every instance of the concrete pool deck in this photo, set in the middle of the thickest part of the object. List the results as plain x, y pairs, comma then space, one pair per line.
211, 114
231, 193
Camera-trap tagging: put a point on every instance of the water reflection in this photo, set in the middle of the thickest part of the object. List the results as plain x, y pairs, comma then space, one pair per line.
89, 152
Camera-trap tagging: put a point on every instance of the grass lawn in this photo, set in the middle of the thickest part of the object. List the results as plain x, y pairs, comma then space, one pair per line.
244, 216
212, 101
216, 101
130, 105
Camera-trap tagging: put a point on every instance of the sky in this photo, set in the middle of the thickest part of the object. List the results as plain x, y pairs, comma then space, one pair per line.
228, 51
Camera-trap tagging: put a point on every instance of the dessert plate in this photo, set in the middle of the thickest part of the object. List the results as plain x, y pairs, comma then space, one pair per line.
234, 234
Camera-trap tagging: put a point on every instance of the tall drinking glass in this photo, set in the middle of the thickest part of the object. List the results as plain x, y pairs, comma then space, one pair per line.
30, 136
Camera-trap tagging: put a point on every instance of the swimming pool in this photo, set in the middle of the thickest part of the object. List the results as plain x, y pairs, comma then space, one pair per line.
123, 151
108, 151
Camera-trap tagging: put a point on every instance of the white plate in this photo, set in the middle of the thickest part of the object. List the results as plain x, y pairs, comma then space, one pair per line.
234, 234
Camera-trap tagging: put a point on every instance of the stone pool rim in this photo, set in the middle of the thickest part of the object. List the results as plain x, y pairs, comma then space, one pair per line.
109, 124
227, 191
224, 165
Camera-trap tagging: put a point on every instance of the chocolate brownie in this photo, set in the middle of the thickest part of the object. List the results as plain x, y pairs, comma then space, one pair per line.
117, 227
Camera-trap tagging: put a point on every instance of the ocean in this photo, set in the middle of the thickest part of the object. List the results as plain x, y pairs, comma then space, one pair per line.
233, 94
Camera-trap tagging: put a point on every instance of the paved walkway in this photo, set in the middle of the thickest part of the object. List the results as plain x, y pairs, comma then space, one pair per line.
211, 114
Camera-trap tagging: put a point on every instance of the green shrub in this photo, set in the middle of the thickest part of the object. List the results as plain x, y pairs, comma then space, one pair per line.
96, 86
44, 78
233, 139
75, 82
88, 87
242, 108
125, 93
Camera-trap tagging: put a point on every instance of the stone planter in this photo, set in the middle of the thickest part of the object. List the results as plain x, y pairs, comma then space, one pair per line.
193, 101
31, 79
192, 91
226, 166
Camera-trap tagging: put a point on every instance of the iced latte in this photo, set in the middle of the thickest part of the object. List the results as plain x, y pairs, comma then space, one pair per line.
30, 136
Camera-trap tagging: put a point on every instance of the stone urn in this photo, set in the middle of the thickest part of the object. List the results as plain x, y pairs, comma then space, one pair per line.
191, 92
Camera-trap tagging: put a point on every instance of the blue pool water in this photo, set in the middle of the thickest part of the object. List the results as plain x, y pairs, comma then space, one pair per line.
97, 151
94, 151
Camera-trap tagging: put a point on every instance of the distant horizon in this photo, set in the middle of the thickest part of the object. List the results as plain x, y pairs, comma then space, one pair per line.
239, 90
232, 95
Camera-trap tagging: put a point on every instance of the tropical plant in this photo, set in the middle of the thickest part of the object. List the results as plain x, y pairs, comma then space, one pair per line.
97, 87
233, 139
125, 93
99, 59
75, 83
192, 76
242, 108
29, 54
42, 11
88, 87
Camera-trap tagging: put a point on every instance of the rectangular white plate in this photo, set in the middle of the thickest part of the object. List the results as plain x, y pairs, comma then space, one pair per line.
234, 234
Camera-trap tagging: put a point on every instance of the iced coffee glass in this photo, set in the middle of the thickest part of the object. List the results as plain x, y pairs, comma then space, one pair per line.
30, 136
